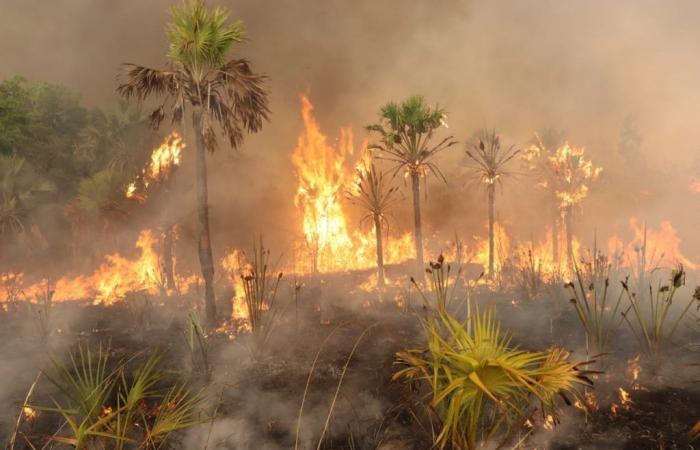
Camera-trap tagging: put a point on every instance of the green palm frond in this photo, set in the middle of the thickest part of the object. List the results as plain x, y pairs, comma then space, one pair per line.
405, 131
228, 92
200, 38
480, 385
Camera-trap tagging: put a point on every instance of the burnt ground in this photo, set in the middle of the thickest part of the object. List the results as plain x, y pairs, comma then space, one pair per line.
257, 396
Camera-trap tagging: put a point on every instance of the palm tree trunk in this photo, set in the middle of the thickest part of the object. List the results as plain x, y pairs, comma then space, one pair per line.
569, 237
168, 265
415, 185
380, 251
206, 259
555, 236
492, 201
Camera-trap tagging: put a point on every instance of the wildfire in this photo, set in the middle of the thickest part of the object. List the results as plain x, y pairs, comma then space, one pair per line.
163, 160
564, 171
233, 265
651, 248
324, 178
634, 369
115, 277
625, 399
29, 412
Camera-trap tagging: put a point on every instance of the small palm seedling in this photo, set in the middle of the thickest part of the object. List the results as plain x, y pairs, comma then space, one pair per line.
179, 409
651, 321
480, 387
597, 310
489, 162
117, 409
405, 132
86, 386
375, 197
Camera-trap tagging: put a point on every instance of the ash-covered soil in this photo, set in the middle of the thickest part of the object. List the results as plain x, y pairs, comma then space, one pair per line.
257, 397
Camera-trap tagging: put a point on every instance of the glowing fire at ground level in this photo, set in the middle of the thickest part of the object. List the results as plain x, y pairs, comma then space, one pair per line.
330, 243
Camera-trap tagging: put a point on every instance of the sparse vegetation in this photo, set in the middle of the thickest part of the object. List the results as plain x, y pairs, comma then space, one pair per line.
105, 408
649, 315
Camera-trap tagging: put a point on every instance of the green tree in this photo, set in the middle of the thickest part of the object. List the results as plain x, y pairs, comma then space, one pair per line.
405, 131
21, 190
223, 95
489, 162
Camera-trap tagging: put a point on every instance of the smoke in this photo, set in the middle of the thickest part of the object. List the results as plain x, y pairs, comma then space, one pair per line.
587, 68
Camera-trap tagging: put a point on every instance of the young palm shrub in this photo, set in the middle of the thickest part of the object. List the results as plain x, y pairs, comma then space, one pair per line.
260, 291
110, 409
480, 387
221, 95
651, 321
597, 308
405, 132
373, 195
489, 162
86, 386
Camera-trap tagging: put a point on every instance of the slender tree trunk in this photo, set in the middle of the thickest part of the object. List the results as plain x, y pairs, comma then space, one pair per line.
415, 185
206, 259
380, 251
492, 200
569, 237
555, 236
168, 264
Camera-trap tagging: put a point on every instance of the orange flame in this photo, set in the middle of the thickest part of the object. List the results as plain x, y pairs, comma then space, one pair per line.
324, 179
163, 160
113, 280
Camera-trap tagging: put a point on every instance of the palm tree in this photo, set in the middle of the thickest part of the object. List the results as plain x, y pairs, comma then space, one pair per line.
489, 161
99, 206
566, 173
543, 146
224, 96
372, 194
405, 131
20, 194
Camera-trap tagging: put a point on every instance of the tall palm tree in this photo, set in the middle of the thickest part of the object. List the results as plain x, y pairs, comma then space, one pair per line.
405, 131
223, 95
373, 194
543, 146
489, 161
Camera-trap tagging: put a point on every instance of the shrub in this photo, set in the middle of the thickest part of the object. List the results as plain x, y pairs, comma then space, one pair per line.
478, 385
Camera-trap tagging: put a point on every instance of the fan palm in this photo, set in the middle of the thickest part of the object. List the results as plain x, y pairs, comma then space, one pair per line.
405, 131
489, 161
479, 384
224, 96
101, 199
20, 189
373, 194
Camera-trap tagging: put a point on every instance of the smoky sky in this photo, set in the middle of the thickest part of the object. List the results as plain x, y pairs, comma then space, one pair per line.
519, 66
